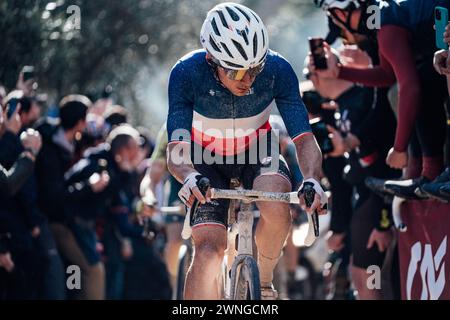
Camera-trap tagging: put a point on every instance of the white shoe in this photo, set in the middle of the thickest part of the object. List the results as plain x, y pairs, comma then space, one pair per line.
269, 293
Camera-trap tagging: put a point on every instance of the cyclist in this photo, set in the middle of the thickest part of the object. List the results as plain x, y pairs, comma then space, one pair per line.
223, 95
406, 47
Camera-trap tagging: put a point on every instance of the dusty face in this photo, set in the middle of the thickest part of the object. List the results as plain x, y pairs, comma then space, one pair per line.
237, 87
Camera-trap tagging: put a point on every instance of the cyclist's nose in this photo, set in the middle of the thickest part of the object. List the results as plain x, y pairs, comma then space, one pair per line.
247, 79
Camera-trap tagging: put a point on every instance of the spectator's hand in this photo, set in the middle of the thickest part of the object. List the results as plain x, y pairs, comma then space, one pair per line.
351, 142
396, 159
36, 232
335, 241
147, 211
440, 62
338, 142
126, 249
381, 238
447, 34
6, 261
31, 139
99, 182
14, 123
354, 57
331, 105
333, 67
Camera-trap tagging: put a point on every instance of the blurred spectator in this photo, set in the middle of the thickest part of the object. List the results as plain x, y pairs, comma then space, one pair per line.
55, 158
94, 134
421, 118
115, 115
102, 102
30, 110
12, 180
18, 224
27, 81
94, 183
2, 94
358, 111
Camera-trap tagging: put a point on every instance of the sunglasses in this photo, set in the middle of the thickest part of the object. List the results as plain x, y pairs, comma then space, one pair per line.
240, 74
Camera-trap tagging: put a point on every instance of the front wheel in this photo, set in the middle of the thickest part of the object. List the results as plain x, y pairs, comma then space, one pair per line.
245, 279
185, 258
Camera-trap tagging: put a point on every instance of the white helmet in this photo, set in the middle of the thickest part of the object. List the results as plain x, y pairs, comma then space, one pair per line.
235, 36
339, 4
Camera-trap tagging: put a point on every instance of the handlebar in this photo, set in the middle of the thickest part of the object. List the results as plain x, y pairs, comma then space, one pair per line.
203, 185
289, 197
310, 193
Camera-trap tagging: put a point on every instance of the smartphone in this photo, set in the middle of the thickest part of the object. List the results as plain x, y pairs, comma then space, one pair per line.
11, 107
320, 131
440, 22
318, 53
28, 73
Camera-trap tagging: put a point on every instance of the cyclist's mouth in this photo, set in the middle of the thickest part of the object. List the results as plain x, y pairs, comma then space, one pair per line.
243, 90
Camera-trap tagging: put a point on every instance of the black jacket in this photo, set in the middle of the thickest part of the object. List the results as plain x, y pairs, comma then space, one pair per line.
51, 164
18, 212
82, 201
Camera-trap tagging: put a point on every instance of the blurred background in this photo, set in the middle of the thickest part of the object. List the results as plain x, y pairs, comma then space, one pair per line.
83, 46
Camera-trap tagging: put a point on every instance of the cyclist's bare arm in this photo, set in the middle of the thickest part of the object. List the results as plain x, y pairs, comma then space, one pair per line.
310, 162
180, 165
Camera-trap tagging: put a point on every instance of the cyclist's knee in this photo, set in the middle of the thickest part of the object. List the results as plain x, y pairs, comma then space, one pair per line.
209, 246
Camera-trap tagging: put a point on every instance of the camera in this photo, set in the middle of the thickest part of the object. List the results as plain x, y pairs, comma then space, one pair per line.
28, 73
320, 131
318, 53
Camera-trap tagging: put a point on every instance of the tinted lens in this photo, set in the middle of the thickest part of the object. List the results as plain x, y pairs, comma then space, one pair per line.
239, 74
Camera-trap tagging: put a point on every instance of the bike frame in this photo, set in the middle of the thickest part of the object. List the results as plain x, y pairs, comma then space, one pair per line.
242, 228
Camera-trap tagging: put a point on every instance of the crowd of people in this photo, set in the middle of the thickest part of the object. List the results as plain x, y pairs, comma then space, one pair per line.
71, 196
84, 187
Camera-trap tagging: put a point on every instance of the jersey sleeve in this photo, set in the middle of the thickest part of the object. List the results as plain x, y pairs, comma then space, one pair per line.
289, 102
181, 103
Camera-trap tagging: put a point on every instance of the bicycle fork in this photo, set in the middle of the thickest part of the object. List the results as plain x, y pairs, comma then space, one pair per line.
241, 232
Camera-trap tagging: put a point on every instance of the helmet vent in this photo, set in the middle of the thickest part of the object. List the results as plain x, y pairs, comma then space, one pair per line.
234, 65
213, 44
214, 25
244, 35
226, 49
233, 14
240, 49
264, 38
243, 12
255, 17
255, 45
222, 18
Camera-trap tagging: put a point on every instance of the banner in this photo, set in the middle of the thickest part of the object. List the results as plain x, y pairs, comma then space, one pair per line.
424, 251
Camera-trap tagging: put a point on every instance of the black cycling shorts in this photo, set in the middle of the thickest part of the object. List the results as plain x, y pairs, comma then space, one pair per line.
220, 175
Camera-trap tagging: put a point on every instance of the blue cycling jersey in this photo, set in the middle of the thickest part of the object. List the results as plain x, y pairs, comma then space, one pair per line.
409, 14
223, 122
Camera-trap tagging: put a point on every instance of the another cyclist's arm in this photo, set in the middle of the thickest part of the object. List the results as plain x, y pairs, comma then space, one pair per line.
179, 126
396, 59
